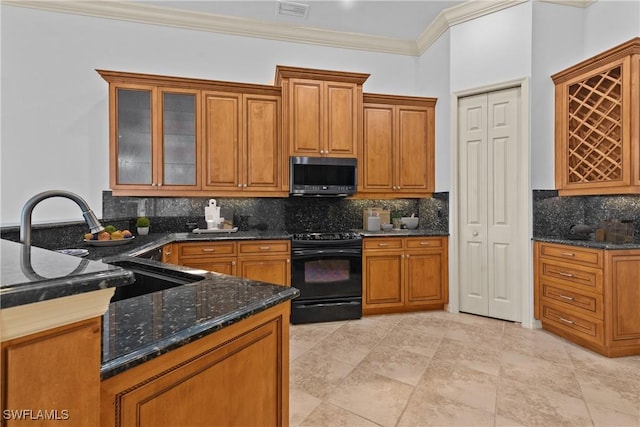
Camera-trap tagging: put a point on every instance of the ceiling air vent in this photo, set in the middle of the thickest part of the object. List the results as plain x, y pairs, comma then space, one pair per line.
288, 8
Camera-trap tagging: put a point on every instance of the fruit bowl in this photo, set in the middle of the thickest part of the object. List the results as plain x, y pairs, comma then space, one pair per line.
411, 222
109, 242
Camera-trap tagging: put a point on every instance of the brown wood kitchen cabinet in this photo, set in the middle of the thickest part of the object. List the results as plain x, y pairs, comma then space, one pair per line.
404, 274
242, 152
262, 260
175, 136
154, 139
219, 257
321, 111
58, 371
238, 376
265, 260
397, 154
589, 296
597, 133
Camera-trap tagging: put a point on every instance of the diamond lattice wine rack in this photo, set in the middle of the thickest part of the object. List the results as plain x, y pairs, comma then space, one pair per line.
597, 137
595, 128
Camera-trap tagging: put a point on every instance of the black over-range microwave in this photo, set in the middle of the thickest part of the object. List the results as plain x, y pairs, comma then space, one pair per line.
322, 176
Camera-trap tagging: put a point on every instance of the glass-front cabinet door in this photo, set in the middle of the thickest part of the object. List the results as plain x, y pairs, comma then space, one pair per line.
179, 147
154, 140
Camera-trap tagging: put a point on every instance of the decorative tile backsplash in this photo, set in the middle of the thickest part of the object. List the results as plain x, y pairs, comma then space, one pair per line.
290, 214
554, 215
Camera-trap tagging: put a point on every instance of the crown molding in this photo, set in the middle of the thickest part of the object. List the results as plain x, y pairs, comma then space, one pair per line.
574, 3
159, 15
458, 14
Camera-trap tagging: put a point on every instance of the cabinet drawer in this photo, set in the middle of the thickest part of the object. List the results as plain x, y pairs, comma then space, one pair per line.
589, 329
264, 246
208, 249
382, 243
589, 304
588, 279
584, 256
424, 242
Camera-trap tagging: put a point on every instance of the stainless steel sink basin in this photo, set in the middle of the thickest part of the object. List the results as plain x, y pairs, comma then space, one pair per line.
150, 279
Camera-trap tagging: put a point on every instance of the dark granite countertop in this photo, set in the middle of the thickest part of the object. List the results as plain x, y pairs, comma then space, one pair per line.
404, 233
149, 242
138, 329
31, 274
589, 243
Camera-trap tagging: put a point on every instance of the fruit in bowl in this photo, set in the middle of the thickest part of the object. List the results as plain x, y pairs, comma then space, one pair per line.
411, 222
110, 233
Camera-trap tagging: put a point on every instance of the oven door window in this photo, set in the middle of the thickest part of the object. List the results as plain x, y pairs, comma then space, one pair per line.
322, 276
327, 271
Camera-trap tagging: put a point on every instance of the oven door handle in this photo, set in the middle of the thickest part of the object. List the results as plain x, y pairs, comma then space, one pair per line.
311, 253
329, 304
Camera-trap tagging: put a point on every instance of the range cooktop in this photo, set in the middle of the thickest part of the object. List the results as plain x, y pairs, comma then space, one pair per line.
342, 235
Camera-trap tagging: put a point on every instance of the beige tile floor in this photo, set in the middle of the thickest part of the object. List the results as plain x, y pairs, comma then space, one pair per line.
442, 369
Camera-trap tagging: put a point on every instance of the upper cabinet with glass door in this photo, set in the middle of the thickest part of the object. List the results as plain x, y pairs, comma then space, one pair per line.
154, 138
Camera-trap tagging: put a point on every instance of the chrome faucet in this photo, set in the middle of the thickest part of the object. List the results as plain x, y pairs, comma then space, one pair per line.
27, 209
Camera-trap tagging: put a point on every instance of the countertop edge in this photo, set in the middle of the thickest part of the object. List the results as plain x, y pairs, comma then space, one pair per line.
143, 354
588, 243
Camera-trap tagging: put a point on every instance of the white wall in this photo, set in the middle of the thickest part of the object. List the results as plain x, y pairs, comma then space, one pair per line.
55, 106
54, 121
491, 49
434, 71
609, 23
558, 38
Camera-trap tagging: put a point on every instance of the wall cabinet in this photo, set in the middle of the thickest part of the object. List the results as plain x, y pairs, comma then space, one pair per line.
174, 136
397, 154
242, 153
404, 274
154, 143
321, 111
597, 131
589, 296
262, 260
238, 376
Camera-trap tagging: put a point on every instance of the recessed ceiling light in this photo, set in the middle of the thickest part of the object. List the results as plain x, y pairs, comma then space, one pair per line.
288, 8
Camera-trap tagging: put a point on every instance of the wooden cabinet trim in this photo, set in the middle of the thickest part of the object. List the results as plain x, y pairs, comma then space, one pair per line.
208, 249
573, 254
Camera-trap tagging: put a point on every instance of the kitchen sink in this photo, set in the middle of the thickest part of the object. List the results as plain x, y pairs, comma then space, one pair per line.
150, 279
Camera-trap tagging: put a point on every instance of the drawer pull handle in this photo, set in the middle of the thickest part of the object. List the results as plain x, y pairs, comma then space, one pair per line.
566, 321
567, 254
208, 250
565, 274
382, 244
566, 297
265, 248
425, 243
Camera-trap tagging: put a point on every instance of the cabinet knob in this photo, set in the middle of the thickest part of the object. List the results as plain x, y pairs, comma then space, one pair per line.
288, 261
244, 185
239, 185
475, 233
233, 263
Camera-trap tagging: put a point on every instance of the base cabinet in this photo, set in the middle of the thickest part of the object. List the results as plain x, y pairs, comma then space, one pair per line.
589, 296
237, 376
404, 274
261, 260
53, 377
